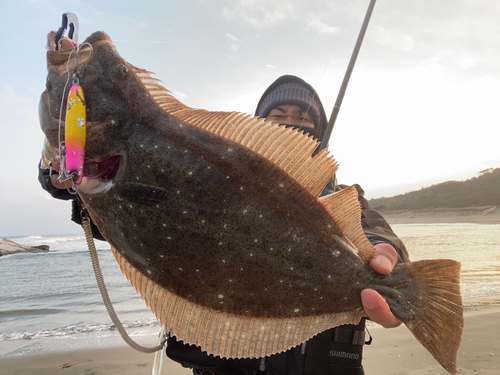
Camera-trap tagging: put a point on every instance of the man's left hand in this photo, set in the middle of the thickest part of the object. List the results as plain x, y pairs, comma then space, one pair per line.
375, 306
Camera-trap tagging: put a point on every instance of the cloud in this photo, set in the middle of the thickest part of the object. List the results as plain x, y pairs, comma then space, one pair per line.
179, 95
322, 27
140, 24
259, 13
232, 38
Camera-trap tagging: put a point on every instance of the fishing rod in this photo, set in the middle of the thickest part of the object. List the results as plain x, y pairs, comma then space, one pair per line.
347, 76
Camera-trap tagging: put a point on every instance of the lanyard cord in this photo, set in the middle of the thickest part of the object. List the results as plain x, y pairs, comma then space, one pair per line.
104, 292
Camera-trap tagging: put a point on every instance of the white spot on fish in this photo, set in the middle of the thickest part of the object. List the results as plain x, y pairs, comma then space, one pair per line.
291, 268
149, 272
164, 225
162, 170
229, 150
169, 238
251, 254
162, 256
156, 146
220, 243
245, 210
190, 173
221, 296
180, 125
113, 122
180, 269
142, 146
157, 206
137, 178
281, 185
81, 122
296, 310
223, 260
241, 188
256, 240
329, 226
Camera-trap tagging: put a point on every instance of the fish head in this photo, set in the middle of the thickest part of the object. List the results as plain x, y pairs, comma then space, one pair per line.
110, 88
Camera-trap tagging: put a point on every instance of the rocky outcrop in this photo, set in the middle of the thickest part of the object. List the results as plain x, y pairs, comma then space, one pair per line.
8, 247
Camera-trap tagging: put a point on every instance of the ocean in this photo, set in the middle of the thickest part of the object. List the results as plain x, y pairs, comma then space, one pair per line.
51, 302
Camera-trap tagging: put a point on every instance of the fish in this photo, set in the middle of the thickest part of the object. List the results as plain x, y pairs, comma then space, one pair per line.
215, 218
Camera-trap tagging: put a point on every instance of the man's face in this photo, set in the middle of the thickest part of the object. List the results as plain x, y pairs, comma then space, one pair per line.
290, 114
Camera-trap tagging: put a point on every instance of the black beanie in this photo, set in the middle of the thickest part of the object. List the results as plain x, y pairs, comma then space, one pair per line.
293, 90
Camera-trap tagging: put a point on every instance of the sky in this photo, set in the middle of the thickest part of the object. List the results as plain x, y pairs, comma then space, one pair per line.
421, 107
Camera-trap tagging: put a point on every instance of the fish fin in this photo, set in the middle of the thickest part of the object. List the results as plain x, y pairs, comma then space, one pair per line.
227, 335
439, 323
287, 148
345, 209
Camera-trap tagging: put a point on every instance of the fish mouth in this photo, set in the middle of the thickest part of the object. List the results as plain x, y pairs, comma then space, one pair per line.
104, 170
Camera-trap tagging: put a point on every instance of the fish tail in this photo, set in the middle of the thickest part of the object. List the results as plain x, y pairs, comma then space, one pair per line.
439, 322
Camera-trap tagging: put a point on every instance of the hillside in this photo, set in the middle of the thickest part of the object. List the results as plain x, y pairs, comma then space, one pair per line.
480, 191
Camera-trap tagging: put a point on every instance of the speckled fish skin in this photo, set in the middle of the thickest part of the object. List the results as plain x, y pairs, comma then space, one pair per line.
218, 225
196, 213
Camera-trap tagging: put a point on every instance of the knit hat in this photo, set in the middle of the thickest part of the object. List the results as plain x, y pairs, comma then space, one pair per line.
293, 90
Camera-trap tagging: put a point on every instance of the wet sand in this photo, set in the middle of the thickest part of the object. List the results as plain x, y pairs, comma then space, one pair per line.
393, 351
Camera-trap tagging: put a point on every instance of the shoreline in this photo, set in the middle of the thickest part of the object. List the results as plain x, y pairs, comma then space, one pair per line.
394, 351
468, 215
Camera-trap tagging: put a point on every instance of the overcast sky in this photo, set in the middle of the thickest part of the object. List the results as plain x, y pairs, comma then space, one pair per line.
421, 107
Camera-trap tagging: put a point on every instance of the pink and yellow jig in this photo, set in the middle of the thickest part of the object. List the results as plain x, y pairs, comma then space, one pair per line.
75, 133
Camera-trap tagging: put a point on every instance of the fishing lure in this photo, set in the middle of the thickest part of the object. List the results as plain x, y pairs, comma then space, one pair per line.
75, 132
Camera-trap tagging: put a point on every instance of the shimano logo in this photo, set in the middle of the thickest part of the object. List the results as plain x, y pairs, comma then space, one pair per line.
334, 353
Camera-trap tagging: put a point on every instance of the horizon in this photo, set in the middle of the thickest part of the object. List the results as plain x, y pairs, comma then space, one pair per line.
420, 107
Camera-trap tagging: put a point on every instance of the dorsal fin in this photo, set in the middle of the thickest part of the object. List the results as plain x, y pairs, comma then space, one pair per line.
345, 209
287, 148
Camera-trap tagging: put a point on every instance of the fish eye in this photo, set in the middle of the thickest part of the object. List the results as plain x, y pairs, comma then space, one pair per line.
87, 69
121, 70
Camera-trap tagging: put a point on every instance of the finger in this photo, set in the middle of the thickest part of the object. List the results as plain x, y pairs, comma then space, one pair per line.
385, 258
378, 310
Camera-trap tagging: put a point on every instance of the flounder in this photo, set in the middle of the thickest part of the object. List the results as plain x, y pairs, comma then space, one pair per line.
215, 219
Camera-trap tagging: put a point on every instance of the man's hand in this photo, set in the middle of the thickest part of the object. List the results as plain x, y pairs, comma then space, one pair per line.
374, 304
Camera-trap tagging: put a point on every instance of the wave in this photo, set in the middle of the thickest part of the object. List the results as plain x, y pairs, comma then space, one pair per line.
28, 312
79, 329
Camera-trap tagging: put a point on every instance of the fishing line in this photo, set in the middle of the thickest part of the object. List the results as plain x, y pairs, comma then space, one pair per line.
336, 40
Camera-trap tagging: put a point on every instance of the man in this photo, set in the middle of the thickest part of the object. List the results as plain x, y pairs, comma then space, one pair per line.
291, 102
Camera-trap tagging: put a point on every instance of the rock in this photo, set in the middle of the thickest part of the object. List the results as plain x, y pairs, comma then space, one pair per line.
8, 247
